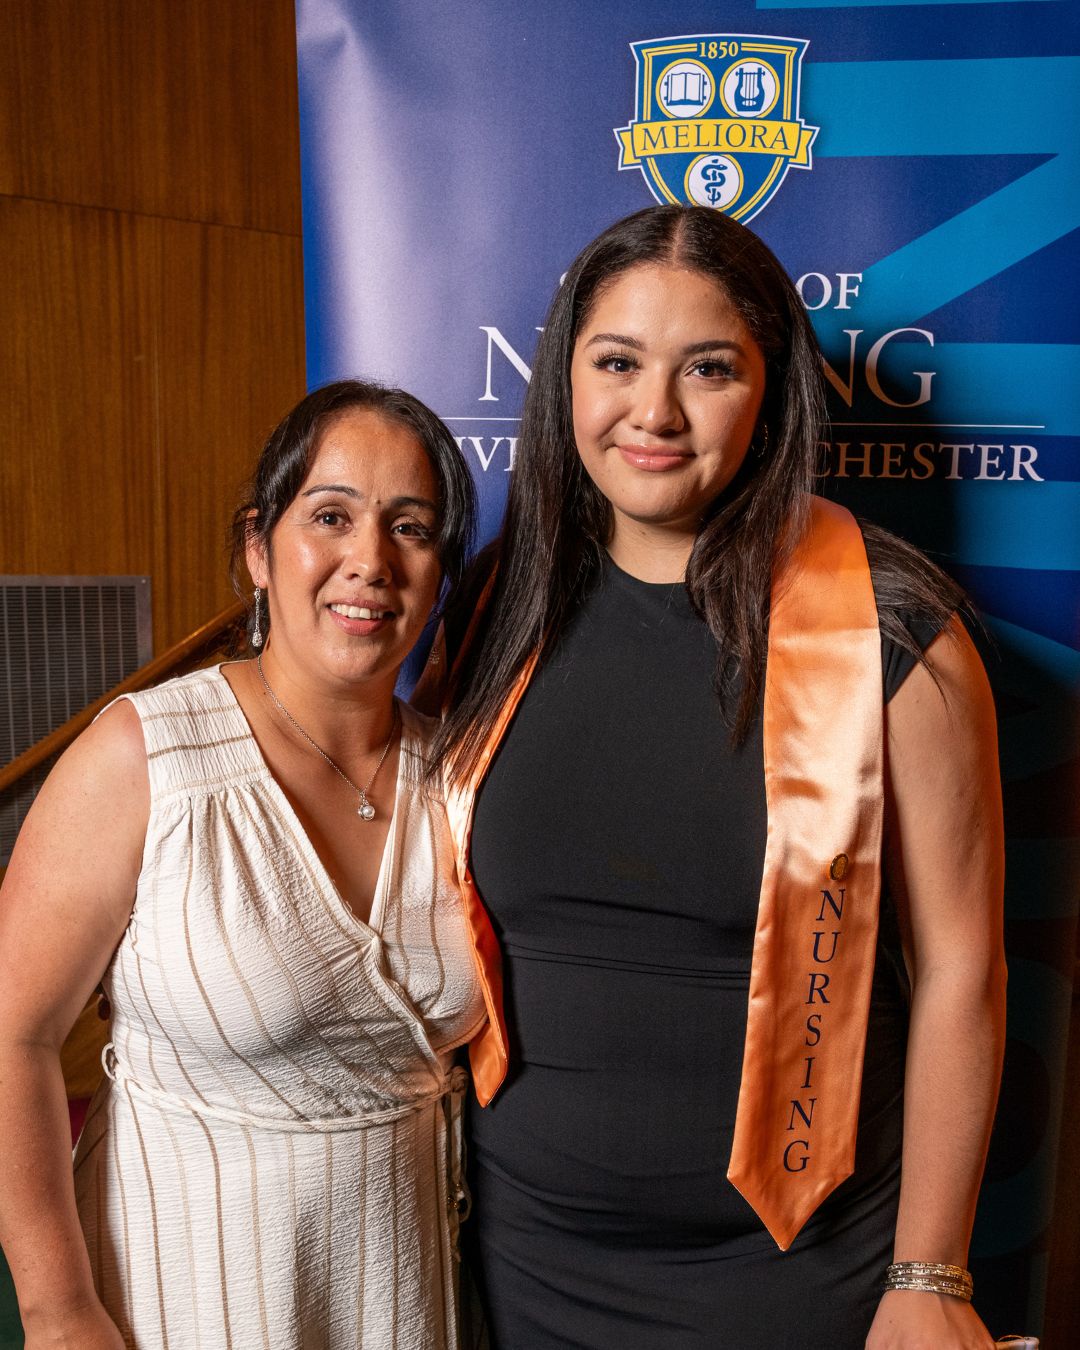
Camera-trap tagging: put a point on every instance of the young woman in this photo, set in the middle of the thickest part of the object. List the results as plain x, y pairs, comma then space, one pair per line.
250, 859
685, 747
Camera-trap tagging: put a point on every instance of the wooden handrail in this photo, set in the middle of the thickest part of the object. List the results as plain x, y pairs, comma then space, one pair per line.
145, 676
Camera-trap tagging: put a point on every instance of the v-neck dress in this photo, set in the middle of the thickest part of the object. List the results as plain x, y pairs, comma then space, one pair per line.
273, 1157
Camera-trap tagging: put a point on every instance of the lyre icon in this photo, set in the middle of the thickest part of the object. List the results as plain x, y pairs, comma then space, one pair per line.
750, 93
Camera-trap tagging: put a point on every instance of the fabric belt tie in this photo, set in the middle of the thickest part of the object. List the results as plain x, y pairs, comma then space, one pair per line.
449, 1087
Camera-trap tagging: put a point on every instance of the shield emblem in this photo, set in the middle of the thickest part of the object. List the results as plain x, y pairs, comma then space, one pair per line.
716, 119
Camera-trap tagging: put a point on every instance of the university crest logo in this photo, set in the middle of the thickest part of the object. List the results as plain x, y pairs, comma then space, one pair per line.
716, 119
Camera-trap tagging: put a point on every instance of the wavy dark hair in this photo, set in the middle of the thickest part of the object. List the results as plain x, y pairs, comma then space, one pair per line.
284, 461
557, 521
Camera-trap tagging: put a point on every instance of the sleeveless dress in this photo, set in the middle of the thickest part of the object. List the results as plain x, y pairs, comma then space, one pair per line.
618, 843
273, 1159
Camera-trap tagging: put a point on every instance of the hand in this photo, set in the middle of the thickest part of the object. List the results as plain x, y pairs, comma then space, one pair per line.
86, 1328
908, 1319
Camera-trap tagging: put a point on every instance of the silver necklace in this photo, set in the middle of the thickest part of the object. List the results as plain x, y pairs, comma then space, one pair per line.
364, 808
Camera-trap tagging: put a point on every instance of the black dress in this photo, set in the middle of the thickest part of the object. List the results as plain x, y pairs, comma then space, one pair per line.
618, 844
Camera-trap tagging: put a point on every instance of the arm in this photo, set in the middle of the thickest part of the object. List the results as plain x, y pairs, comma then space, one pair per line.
945, 867
65, 903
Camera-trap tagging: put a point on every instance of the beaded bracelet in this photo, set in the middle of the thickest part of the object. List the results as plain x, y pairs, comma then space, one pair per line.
930, 1277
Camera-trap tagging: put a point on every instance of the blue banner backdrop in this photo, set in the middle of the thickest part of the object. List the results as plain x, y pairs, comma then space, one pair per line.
916, 168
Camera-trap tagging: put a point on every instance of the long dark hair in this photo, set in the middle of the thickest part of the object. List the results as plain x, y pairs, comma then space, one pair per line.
284, 461
557, 521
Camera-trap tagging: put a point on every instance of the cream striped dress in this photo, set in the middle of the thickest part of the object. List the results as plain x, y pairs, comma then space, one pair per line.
272, 1161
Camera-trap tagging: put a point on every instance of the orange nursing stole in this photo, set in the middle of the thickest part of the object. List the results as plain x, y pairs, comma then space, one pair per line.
816, 934
817, 921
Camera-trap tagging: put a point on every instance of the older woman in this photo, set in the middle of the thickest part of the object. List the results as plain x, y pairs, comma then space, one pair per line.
685, 747
251, 860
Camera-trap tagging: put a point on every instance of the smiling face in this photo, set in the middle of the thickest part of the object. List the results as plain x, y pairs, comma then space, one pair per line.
667, 385
352, 572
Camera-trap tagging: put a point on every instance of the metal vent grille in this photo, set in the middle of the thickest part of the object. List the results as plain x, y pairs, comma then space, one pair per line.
64, 641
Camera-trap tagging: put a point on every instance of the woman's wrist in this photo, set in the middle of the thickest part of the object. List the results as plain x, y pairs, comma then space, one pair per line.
929, 1277
943, 1243
57, 1308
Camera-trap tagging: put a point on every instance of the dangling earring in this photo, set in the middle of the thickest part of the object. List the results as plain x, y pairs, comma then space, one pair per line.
759, 450
256, 632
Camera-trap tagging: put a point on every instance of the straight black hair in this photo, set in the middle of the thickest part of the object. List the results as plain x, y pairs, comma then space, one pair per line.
287, 454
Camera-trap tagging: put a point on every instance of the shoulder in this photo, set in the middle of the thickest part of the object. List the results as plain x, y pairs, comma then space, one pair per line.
941, 726
100, 783
188, 729
418, 733
916, 603
907, 585
112, 742
183, 693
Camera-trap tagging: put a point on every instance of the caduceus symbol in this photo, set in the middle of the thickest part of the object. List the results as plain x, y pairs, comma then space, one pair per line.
714, 175
749, 96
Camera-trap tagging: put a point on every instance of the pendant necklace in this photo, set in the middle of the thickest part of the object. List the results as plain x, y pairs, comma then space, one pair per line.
364, 808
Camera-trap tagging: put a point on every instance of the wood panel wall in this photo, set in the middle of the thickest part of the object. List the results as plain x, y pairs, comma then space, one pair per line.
150, 269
